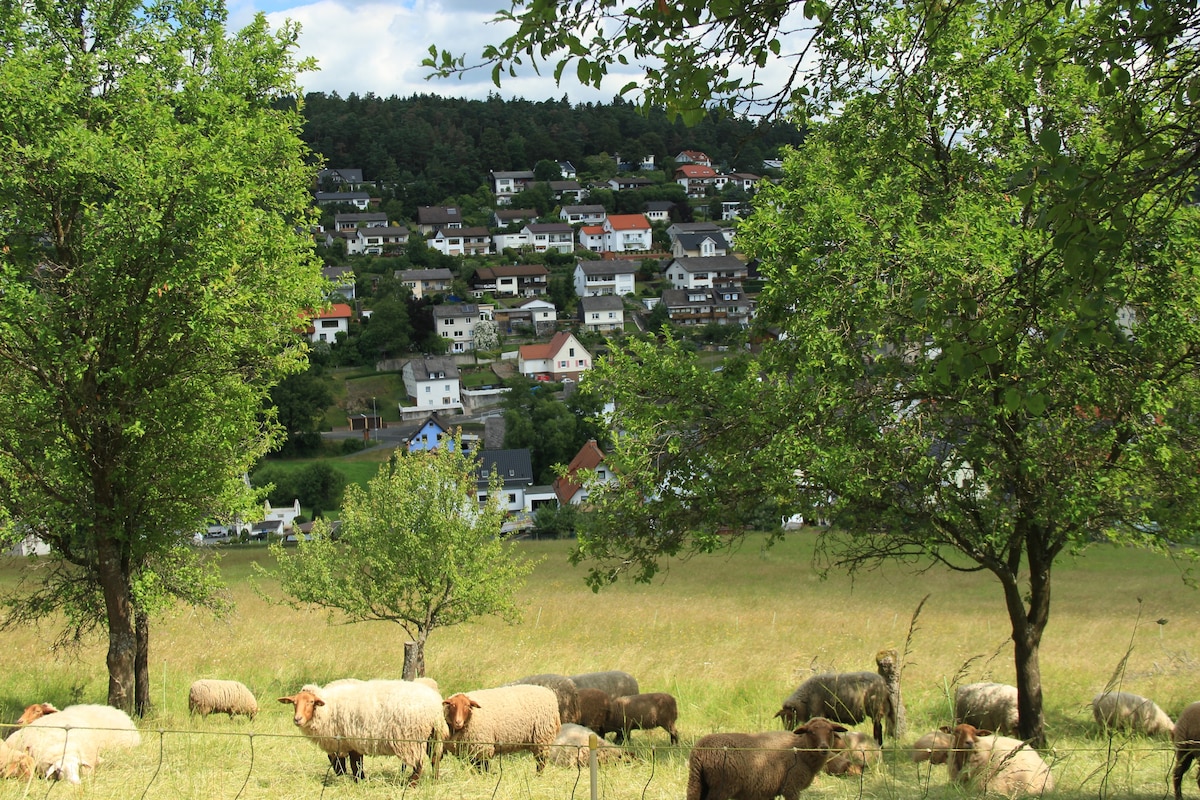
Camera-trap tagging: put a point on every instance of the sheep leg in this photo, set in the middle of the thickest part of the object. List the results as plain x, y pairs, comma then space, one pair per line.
674, 734
356, 765
877, 729
338, 763
416, 773
1183, 761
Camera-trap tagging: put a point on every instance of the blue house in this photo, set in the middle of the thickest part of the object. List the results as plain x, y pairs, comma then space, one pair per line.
429, 435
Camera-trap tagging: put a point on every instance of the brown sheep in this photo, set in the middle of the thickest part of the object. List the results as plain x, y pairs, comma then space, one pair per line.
997, 764
641, 712
858, 752
1187, 745
760, 766
593, 708
846, 697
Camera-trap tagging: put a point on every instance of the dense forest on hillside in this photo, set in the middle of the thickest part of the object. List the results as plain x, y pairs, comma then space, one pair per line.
433, 147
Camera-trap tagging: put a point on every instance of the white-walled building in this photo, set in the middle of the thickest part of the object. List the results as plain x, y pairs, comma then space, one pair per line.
432, 384
604, 277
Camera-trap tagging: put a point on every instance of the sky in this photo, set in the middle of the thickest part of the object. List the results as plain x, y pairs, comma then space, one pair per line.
376, 46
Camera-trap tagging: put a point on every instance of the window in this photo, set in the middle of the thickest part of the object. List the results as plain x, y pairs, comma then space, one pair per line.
571, 352
427, 389
512, 499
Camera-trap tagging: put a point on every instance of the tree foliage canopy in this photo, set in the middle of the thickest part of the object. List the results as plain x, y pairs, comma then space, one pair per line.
151, 273
415, 548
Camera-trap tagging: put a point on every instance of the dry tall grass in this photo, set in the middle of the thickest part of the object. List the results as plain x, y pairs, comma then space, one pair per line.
729, 635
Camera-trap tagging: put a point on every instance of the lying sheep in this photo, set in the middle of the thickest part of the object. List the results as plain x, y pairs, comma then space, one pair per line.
858, 752
760, 766
1130, 712
1187, 745
488, 722
613, 682
846, 697
572, 747
641, 712
933, 747
221, 697
997, 764
68, 743
352, 718
36, 711
992, 706
593, 708
564, 689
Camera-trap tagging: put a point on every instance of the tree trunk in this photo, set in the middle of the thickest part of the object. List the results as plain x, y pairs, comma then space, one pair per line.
118, 607
141, 664
1028, 624
887, 663
414, 660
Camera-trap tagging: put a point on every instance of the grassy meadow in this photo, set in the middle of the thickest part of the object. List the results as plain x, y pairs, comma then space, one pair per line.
729, 635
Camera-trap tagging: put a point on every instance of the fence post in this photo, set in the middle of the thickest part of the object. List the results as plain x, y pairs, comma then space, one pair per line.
411, 667
594, 764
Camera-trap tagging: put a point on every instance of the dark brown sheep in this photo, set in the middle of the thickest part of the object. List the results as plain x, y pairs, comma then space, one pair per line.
593, 708
1187, 745
641, 712
846, 697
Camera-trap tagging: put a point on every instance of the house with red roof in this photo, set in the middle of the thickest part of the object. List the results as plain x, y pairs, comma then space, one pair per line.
592, 237
695, 178
569, 488
562, 357
625, 233
328, 323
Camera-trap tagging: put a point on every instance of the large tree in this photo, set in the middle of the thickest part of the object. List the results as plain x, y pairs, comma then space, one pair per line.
982, 268
153, 197
414, 548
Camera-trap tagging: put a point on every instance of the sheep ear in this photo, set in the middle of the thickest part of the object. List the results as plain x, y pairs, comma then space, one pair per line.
983, 733
779, 714
291, 700
318, 701
474, 704
840, 728
945, 729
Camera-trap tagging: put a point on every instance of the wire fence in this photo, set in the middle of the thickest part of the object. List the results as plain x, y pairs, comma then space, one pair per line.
240, 765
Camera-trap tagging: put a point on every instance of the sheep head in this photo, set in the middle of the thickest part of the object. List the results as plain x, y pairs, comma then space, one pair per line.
458, 711
821, 734
35, 711
15, 763
965, 738
306, 704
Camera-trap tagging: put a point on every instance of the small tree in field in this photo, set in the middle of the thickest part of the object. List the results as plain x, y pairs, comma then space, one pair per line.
414, 548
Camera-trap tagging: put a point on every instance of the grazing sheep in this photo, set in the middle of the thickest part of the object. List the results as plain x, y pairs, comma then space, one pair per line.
488, 722
221, 697
68, 743
997, 764
1130, 712
1187, 745
992, 706
593, 708
760, 766
858, 752
564, 689
572, 747
36, 711
933, 747
352, 718
846, 697
642, 712
613, 682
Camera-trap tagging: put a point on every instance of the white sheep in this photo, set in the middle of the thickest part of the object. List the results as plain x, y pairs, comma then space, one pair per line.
488, 722
36, 711
760, 766
210, 696
858, 752
997, 764
992, 706
68, 743
353, 718
933, 747
572, 747
1130, 712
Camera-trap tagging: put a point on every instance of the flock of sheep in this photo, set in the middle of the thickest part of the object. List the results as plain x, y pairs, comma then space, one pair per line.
560, 718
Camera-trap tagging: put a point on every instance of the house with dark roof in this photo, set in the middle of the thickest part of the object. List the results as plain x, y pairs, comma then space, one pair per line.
658, 210
359, 200
567, 191
539, 314
602, 313
432, 218
725, 305
432, 384
696, 273
367, 219
506, 183
543, 236
457, 322
503, 217
461, 241
604, 277
424, 282
511, 280
343, 175
341, 281
515, 470
700, 244
582, 215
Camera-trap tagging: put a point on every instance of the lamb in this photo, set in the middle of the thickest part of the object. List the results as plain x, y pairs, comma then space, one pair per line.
488, 722
997, 764
933, 747
846, 697
1186, 737
564, 689
858, 752
593, 708
1131, 712
642, 712
613, 682
221, 697
760, 766
67, 744
572, 747
352, 718
36, 711
992, 706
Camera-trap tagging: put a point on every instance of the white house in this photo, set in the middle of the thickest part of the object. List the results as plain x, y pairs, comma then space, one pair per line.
562, 357
328, 323
539, 313
699, 244
375, 239
550, 236
582, 215
604, 277
602, 313
432, 384
504, 241
425, 281
624, 233
569, 488
461, 241
698, 273
508, 183
592, 237
457, 324
359, 200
